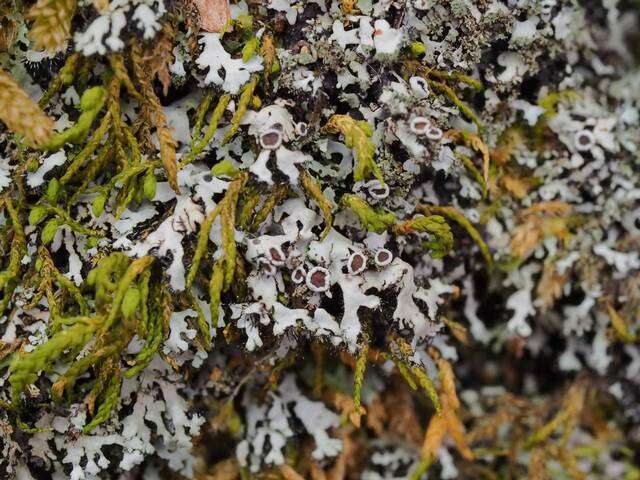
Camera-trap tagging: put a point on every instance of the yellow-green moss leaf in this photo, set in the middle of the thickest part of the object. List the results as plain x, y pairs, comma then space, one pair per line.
372, 220
357, 136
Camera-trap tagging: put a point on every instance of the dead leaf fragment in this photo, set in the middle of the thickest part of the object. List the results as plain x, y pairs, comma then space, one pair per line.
517, 186
550, 286
214, 14
447, 422
540, 221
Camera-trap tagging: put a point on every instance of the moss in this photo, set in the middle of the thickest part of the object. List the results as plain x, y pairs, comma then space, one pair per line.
357, 136
375, 221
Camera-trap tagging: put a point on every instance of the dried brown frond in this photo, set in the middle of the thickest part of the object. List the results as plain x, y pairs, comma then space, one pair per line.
447, 380
550, 286
21, 114
167, 143
540, 221
120, 71
515, 182
526, 238
555, 208
168, 152
161, 56
51, 23
447, 423
268, 54
518, 187
434, 437
509, 141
